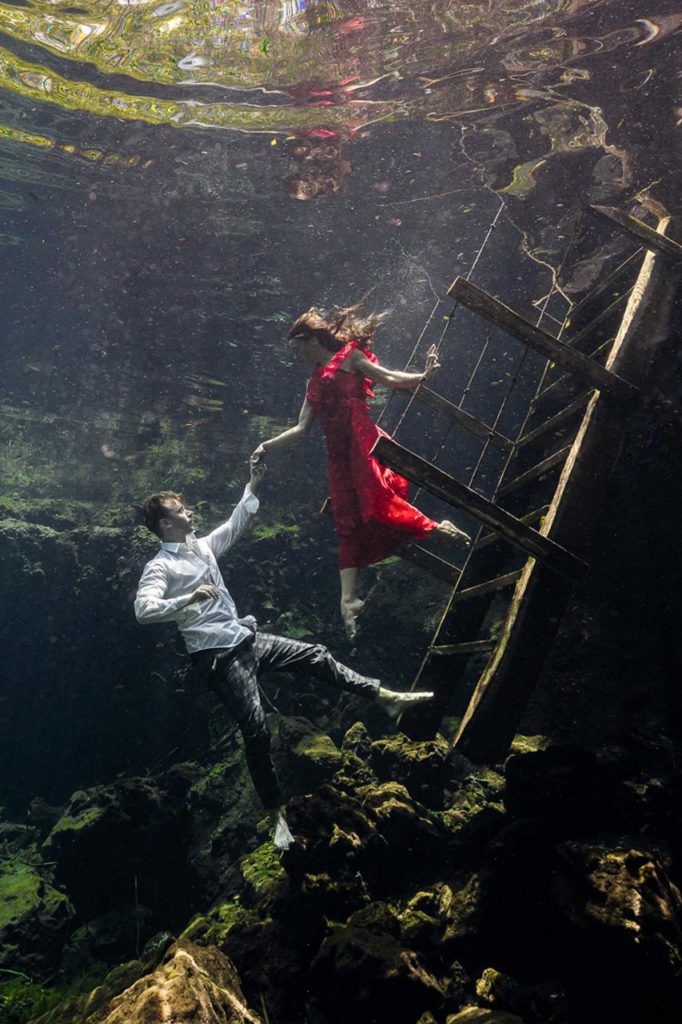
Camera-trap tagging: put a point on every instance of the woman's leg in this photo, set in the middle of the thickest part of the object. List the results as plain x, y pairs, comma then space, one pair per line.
350, 602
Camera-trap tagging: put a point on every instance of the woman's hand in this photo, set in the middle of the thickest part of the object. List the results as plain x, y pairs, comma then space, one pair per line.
258, 471
258, 455
432, 364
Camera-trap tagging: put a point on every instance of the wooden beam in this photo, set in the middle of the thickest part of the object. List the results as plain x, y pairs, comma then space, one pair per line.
535, 471
489, 586
464, 419
496, 313
637, 229
430, 563
554, 421
531, 517
444, 486
472, 647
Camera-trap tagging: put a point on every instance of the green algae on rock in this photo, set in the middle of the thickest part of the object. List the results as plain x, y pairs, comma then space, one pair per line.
35, 918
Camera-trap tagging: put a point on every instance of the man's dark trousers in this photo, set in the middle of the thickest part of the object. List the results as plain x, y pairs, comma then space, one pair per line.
232, 673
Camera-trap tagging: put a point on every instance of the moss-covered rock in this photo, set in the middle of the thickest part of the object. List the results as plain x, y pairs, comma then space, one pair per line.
191, 983
357, 740
426, 768
126, 843
22, 1000
213, 927
224, 814
620, 917
35, 918
263, 874
379, 917
305, 756
361, 976
475, 813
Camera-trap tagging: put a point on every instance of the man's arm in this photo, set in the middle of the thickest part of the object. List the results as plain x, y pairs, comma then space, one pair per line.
150, 604
223, 537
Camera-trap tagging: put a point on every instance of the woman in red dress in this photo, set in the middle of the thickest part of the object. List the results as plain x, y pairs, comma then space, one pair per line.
372, 515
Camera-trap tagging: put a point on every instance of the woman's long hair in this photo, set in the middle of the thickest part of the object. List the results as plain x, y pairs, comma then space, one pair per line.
335, 329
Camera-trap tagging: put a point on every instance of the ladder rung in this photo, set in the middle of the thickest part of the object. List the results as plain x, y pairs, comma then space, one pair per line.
496, 313
530, 517
440, 483
489, 587
431, 563
603, 286
464, 419
565, 377
577, 339
638, 230
472, 647
555, 421
535, 471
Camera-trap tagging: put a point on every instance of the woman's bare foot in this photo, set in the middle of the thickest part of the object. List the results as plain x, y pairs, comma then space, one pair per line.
453, 533
349, 614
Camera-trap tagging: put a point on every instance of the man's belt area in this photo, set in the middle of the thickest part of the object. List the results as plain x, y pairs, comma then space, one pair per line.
216, 657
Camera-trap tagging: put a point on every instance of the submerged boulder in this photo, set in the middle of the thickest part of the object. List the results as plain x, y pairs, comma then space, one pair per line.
425, 768
190, 983
361, 976
125, 843
35, 918
305, 756
621, 923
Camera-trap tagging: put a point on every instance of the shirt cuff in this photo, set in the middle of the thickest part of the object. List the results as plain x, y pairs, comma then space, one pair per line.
249, 499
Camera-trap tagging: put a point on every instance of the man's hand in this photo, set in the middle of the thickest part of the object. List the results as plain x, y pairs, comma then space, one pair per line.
258, 471
205, 592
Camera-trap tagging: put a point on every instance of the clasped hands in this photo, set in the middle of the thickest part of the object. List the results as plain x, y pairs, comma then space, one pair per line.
432, 364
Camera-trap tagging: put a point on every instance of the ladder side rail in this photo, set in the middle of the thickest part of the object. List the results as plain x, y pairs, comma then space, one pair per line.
505, 685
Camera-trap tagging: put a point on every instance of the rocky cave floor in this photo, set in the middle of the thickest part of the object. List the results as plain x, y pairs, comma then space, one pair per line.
422, 889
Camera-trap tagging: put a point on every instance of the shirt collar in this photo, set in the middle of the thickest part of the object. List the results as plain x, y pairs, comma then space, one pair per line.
178, 545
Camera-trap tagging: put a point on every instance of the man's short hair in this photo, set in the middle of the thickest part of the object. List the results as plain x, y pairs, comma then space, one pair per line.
154, 509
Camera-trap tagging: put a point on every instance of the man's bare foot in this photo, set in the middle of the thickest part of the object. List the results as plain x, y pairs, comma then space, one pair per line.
394, 702
349, 614
453, 533
281, 835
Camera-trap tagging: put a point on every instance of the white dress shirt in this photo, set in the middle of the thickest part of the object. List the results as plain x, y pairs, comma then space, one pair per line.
172, 576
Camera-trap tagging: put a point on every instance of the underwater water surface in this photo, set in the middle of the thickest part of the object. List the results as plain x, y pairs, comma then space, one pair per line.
179, 180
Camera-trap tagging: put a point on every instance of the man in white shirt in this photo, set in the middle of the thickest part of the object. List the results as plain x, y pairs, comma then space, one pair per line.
183, 584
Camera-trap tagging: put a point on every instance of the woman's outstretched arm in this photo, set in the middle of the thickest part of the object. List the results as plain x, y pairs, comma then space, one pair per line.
393, 378
306, 418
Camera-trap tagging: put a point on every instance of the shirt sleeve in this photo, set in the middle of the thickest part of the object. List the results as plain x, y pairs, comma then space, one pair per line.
223, 537
150, 604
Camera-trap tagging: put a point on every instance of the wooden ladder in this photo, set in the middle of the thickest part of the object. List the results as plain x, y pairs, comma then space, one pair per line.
535, 531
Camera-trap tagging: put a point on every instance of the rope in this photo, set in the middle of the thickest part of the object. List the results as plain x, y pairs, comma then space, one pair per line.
448, 322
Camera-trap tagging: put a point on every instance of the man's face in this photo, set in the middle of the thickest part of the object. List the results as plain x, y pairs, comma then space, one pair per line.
176, 520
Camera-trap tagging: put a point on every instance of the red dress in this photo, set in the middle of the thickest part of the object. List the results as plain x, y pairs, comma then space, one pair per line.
369, 501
